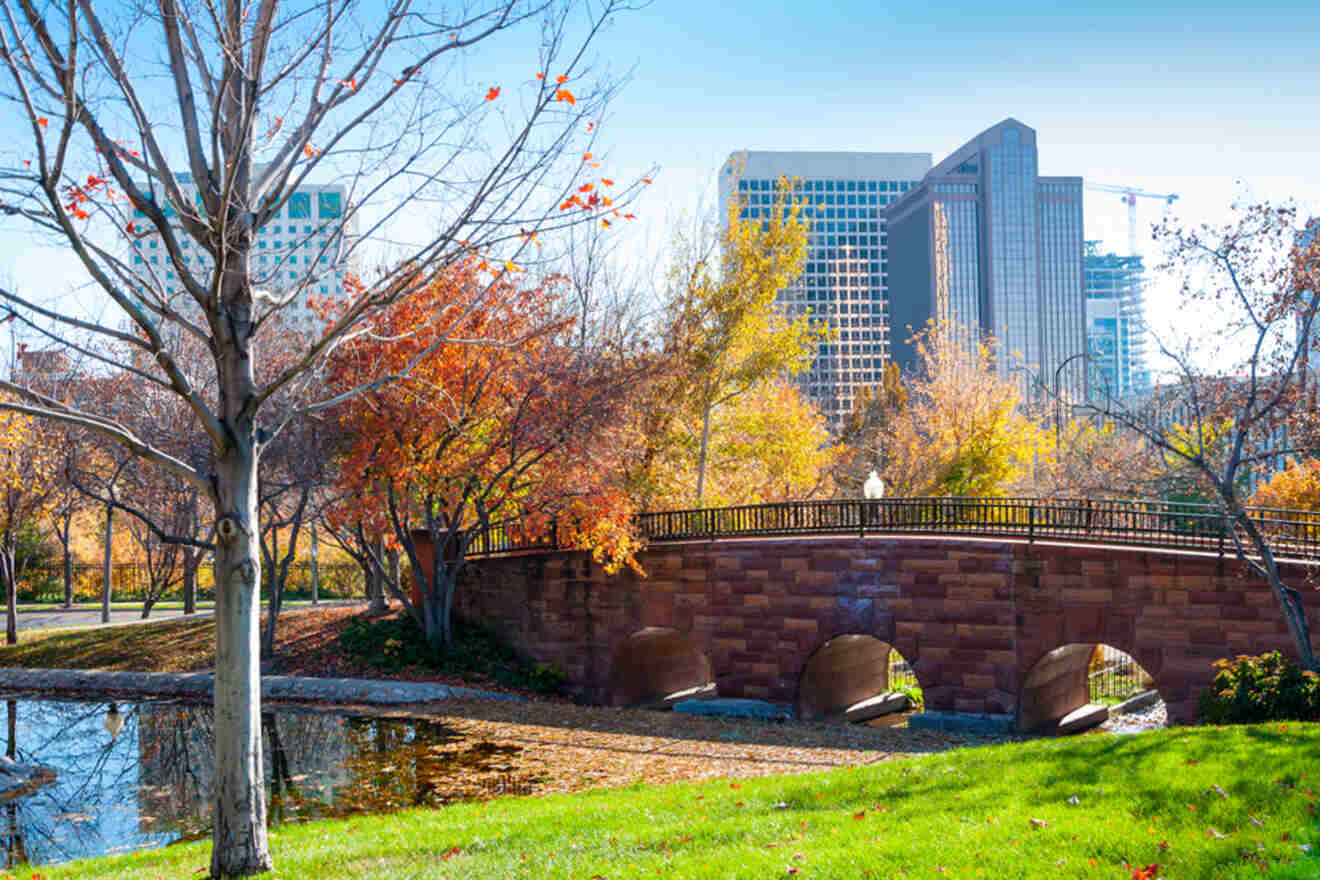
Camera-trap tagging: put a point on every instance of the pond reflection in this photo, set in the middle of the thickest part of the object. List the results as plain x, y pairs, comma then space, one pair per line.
149, 784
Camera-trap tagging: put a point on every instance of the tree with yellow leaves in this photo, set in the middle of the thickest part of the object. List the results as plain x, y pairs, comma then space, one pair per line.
964, 430
1296, 487
725, 337
27, 485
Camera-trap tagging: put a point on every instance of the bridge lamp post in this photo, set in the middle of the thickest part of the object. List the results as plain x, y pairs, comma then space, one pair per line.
1058, 400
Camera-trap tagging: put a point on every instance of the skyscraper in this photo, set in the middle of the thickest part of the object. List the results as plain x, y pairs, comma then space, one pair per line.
845, 275
302, 252
1115, 324
986, 242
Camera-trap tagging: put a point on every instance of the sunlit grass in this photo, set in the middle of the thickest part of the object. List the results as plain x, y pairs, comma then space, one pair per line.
1199, 802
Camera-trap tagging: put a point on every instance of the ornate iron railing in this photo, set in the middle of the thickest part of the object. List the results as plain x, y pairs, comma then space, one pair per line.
1293, 534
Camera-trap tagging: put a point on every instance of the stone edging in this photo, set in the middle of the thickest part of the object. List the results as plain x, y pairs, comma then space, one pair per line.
53, 682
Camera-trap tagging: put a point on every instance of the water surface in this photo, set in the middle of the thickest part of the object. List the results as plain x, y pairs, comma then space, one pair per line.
150, 785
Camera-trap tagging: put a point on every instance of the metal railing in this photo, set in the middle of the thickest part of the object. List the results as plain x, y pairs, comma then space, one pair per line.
1293, 534
1113, 676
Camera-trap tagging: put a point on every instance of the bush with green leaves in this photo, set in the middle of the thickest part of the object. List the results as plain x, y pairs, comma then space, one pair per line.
393, 643
1269, 687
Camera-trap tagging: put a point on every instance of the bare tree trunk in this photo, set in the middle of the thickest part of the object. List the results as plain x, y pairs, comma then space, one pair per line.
68, 564
376, 583
191, 559
107, 565
239, 845
396, 569
316, 574
703, 455
11, 592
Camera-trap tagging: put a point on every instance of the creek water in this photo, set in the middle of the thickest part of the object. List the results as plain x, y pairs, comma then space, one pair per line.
149, 785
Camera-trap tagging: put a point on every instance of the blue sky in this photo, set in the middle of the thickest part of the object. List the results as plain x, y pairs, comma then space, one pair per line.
1211, 102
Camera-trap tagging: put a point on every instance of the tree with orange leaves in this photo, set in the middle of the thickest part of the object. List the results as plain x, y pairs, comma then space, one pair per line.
502, 427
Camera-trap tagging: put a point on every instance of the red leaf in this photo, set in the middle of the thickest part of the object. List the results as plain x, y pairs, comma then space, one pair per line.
43, 121
607, 181
450, 854
860, 815
1146, 873
493, 93
561, 79
646, 180
584, 188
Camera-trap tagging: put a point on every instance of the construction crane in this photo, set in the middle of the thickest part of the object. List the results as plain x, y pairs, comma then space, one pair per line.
1130, 195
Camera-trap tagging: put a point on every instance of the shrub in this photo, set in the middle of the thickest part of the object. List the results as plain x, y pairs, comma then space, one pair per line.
392, 643
1269, 687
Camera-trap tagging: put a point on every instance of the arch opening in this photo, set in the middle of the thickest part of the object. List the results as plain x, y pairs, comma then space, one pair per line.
658, 666
1076, 687
856, 677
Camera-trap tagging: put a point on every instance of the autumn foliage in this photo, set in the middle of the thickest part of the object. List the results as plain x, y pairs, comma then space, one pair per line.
496, 427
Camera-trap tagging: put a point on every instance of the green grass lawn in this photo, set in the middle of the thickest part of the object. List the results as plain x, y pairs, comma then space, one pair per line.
998, 812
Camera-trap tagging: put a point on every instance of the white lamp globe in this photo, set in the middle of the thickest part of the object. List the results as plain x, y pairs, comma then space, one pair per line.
874, 487
114, 722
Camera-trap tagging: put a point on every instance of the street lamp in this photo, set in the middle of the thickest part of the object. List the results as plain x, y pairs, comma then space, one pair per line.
874, 487
1058, 372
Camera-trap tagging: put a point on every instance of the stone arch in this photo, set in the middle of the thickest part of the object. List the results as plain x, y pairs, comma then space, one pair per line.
1055, 695
656, 663
842, 672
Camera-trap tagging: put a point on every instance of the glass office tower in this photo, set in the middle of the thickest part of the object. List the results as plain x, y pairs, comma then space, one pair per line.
1115, 324
986, 242
846, 272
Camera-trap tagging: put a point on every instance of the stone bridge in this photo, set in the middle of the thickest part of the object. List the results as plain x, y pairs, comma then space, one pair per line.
997, 629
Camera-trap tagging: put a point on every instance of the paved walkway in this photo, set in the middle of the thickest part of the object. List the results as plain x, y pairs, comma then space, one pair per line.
79, 682
90, 614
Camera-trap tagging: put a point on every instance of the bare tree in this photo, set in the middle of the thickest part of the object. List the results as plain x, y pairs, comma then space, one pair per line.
252, 100
1237, 401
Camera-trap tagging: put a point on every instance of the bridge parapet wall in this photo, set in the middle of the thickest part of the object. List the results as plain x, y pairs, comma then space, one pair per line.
971, 616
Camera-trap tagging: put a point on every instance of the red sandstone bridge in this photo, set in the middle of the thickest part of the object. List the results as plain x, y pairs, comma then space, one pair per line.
997, 604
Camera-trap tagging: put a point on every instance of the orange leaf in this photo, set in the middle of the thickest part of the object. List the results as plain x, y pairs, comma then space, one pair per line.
607, 181
586, 156
43, 121
561, 79
351, 83
629, 216
493, 93
540, 76
585, 188
310, 151
605, 223
508, 264
565, 95
646, 180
